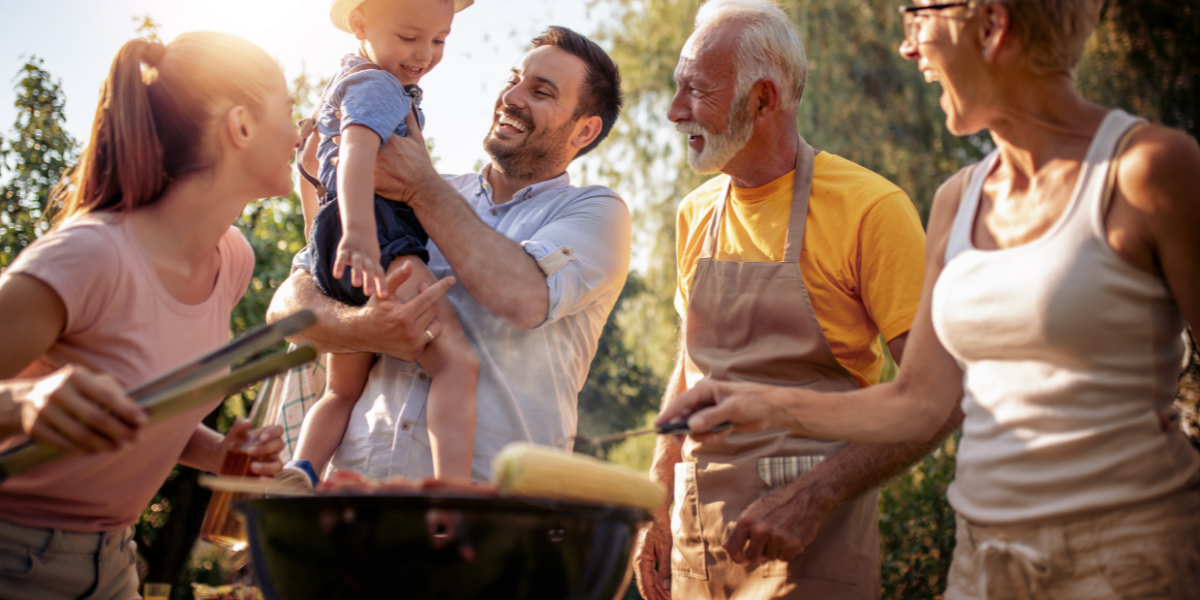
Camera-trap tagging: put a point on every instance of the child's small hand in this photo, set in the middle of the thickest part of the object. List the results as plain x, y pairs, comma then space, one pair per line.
363, 261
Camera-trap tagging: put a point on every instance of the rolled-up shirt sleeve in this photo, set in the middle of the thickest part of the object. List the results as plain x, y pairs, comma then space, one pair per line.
584, 252
302, 261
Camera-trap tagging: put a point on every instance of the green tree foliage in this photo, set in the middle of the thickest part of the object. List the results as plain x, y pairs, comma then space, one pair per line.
916, 528
34, 156
147, 28
645, 161
1144, 58
619, 392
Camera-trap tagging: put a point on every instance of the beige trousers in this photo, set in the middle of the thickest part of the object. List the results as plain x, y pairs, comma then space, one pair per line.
51, 564
1147, 551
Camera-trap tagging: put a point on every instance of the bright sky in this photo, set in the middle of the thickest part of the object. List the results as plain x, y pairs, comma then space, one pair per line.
78, 39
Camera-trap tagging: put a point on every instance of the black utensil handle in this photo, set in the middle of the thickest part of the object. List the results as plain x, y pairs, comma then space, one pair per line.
681, 428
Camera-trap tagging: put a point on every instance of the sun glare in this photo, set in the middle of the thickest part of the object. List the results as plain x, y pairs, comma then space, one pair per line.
275, 25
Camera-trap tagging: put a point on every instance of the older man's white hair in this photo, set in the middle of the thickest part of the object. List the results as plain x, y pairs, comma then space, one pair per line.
769, 46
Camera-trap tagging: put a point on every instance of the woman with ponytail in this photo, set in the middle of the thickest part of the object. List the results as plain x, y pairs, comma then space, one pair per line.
139, 274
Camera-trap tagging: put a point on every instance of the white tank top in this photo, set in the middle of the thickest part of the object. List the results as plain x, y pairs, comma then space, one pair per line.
1070, 357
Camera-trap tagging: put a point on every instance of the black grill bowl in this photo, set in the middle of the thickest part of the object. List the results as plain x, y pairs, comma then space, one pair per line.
438, 546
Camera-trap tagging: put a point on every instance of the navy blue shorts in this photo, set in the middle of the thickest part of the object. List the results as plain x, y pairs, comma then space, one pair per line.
399, 233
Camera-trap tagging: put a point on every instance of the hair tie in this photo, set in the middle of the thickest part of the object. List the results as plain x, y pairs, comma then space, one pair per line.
153, 54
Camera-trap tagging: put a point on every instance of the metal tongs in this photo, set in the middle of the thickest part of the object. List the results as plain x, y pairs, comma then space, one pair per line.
190, 386
677, 428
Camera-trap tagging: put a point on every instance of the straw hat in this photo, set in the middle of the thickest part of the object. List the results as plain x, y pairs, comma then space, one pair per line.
339, 11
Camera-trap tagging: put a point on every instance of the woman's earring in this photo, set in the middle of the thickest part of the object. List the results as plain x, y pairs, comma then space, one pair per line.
985, 53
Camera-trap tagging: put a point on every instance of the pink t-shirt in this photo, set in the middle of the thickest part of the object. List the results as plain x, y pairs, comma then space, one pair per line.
121, 321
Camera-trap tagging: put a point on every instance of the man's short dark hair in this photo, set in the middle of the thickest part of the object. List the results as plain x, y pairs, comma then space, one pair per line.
601, 95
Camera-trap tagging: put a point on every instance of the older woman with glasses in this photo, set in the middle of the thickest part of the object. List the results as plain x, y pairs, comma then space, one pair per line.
1060, 272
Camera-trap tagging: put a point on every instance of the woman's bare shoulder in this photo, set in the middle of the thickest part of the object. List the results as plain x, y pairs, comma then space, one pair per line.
1159, 167
949, 194
941, 214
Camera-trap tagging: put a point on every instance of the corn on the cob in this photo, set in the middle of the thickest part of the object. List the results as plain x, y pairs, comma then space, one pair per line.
530, 470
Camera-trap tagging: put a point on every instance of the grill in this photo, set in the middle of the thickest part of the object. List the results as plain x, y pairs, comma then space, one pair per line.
449, 547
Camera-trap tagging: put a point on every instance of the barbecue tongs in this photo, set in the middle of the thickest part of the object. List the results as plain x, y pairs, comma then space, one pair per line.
677, 428
190, 385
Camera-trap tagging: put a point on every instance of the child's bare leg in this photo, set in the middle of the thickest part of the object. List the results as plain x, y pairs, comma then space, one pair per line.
325, 424
453, 367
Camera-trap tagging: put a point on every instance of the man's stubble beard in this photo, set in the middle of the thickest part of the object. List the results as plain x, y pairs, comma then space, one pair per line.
720, 148
533, 156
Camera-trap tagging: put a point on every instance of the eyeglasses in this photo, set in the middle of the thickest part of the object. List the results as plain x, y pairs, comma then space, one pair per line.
912, 14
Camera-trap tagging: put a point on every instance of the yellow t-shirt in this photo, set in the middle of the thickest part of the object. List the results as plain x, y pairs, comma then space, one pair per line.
863, 257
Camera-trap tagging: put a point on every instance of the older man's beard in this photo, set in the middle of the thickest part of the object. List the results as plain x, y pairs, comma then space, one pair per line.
720, 148
538, 152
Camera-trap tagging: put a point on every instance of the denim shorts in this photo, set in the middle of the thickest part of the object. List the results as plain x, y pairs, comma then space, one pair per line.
398, 232
52, 564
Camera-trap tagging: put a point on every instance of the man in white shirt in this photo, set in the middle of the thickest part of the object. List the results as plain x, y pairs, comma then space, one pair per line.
539, 264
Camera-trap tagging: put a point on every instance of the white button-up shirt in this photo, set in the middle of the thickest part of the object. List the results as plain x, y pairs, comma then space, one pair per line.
529, 380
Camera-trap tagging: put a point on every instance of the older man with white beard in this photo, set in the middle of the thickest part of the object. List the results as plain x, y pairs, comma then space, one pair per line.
792, 264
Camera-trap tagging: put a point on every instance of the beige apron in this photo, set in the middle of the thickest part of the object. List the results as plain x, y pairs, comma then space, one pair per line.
752, 321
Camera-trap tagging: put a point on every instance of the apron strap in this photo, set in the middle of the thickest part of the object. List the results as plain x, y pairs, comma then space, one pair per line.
801, 189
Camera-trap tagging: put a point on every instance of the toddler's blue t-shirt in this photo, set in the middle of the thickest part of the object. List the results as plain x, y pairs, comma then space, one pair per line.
372, 98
